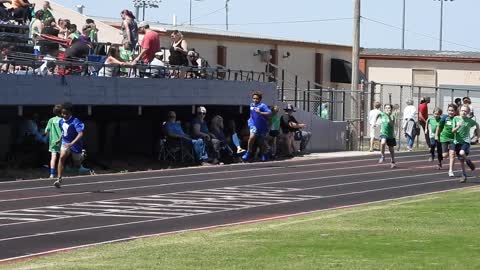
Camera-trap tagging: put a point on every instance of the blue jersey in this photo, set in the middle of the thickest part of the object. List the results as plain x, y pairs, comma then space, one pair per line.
258, 120
70, 129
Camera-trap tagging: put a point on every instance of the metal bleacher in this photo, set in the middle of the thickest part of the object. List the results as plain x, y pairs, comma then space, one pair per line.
17, 36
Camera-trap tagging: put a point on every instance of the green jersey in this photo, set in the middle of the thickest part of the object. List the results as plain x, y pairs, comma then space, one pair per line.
433, 123
387, 128
445, 126
275, 122
462, 136
54, 134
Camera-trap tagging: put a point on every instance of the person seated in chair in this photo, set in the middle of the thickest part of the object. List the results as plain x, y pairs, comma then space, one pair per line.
217, 129
174, 130
200, 131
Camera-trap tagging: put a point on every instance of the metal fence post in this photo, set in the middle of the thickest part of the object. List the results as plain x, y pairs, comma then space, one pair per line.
283, 85
343, 108
331, 104
308, 96
296, 91
453, 93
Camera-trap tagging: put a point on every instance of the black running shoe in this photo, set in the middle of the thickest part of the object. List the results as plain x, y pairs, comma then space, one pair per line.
58, 183
470, 164
464, 179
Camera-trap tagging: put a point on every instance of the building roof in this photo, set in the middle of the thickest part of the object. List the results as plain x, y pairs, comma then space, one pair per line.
227, 34
426, 55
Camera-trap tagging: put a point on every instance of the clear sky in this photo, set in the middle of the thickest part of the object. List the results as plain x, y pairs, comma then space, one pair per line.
381, 22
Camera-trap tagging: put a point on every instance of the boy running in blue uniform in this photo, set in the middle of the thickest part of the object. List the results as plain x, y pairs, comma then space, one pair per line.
445, 135
72, 144
387, 134
461, 143
258, 126
431, 130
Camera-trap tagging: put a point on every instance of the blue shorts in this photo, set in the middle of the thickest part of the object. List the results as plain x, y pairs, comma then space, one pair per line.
256, 132
459, 147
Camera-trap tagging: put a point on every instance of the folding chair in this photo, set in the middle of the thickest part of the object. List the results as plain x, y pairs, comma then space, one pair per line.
175, 150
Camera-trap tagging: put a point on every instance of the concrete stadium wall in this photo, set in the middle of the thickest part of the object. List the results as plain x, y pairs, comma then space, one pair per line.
36, 90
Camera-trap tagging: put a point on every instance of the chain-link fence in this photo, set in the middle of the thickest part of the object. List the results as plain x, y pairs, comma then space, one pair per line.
354, 106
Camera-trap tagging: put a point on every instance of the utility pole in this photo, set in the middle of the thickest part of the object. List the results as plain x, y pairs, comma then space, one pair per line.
356, 45
403, 27
226, 14
441, 22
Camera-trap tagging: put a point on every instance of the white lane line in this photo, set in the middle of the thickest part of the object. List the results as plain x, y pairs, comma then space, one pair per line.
174, 184
197, 174
155, 220
253, 221
159, 197
141, 179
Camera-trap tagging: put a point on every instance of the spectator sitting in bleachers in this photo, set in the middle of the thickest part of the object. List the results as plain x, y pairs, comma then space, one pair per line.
157, 62
174, 130
5, 52
113, 58
72, 32
81, 46
49, 28
63, 28
22, 11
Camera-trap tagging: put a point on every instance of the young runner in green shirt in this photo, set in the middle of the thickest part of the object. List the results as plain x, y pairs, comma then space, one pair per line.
54, 134
430, 130
445, 135
387, 134
461, 143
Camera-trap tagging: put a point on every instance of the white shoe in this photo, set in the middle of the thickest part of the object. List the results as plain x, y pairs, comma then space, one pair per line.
451, 174
393, 165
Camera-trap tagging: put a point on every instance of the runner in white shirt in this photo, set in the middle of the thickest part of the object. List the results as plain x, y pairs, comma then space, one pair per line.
372, 121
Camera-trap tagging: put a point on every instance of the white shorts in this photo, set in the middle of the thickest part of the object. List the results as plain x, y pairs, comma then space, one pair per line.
373, 132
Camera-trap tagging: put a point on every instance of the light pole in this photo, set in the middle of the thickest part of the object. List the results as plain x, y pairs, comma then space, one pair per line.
403, 26
441, 22
146, 4
191, 10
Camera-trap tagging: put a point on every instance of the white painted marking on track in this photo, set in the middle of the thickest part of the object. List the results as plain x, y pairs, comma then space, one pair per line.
156, 220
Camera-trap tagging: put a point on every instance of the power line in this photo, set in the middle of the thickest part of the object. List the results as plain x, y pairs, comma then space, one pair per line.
205, 15
420, 34
281, 22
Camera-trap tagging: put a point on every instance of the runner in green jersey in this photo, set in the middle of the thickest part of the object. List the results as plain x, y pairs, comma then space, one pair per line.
387, 134
462, 125
445, 135
431, 130
54, 133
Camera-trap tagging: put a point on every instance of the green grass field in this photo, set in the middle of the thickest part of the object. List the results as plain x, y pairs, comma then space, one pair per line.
440, 231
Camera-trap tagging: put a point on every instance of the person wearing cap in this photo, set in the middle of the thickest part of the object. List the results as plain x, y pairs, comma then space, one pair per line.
423, 116
150, 44
290, 127
409, 124
257, 123
200, 131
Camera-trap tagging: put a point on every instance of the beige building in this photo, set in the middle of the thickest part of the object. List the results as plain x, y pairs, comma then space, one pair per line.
422, 68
